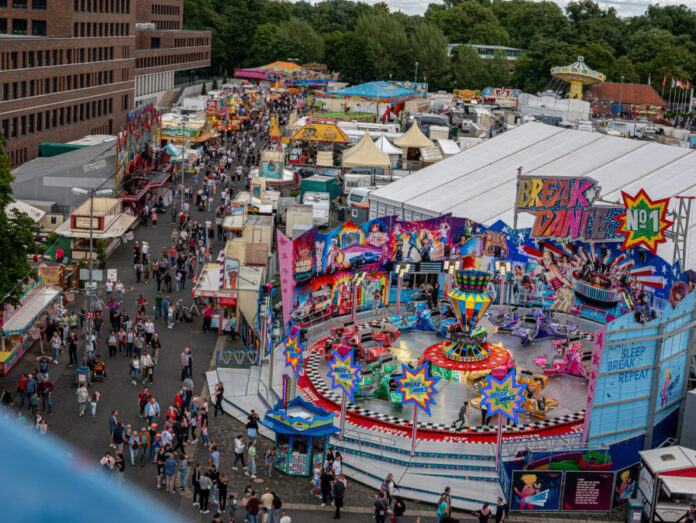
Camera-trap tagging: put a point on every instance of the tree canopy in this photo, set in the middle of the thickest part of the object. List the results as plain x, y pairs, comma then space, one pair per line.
368, 42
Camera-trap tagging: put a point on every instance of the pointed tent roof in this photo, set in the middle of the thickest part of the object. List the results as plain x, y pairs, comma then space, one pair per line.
385, 146
365, 154
414, 137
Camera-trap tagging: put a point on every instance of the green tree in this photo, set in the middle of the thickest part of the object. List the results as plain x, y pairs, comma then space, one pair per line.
468, 69
599, 57
644, 44
296, 39
335, 15
533, 70
203, 89
263, 47
225, 76
385, 48
624, 67
498, 70
430, 50
529, 20
214, 87
469, 22
16, 238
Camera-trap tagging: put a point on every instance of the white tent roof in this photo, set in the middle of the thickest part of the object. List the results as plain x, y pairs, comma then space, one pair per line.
462, 184
20, 206
365, 154
384, 145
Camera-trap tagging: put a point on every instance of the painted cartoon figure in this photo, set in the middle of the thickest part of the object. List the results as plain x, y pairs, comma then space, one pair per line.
530, 488
335, 259
319, 254
624, 490
664, 390
560, 284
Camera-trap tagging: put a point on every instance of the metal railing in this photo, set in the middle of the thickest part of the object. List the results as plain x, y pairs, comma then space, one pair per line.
236, 357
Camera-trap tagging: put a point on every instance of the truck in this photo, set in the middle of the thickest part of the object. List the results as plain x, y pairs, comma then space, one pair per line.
320, 184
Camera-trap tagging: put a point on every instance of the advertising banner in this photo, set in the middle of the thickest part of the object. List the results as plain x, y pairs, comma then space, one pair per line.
588, 491
644, 222
564, 208
231, 274
625, 484
538, 491
271, 169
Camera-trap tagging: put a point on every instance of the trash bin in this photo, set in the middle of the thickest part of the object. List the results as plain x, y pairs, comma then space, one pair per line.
635, 511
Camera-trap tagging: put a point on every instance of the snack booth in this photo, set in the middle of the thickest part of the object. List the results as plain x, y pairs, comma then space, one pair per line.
24, 324
302, 430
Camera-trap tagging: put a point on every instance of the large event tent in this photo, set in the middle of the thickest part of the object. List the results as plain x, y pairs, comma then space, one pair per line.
480, 183
365, 154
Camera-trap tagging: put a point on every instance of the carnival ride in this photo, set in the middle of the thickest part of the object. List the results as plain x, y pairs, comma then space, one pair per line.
578, 75
317, 307
542, 325
568, 360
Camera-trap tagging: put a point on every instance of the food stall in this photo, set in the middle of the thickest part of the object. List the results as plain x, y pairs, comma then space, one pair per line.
667, 484
217, 284
23, 325
302, 430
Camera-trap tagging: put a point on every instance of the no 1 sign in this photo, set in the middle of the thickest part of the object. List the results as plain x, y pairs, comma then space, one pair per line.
644, 222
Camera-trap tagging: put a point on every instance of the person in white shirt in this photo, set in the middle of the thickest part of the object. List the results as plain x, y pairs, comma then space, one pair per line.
284, 518
146, 366
166, 437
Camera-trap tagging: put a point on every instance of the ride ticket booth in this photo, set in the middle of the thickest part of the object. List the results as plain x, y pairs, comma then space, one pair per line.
302, 430
667, 484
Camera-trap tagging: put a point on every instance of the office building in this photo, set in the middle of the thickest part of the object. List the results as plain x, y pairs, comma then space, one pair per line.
69, 68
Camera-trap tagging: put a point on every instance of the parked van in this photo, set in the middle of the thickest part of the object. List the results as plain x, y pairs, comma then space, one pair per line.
355, 181
359, 195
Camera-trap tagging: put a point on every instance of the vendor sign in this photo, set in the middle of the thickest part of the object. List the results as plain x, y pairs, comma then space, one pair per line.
417, 386
644, 222
292, 351
564, 209
504, 397
343, 373
271, 169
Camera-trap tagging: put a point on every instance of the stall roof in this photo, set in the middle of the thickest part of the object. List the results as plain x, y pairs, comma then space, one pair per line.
117, 229
23, 317
679, 485
209, 280
250, 278
376, 91
430, 155
664, 459
385, 146
19, 206
414, 137
448, 147
365, 154
462, 184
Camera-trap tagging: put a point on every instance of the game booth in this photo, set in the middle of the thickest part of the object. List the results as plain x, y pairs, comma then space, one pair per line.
302, 431
24, 324
217, 285
553, 354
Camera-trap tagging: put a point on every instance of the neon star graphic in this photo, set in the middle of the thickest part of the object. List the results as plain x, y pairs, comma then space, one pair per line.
417, 386
293, 352
503, 396
344, 374
644, 222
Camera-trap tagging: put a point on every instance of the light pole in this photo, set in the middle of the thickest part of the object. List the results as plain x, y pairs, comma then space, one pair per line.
451, 266
227, 120
402, 269
90, 287
621, 97
183, 158
503, 268
415, 77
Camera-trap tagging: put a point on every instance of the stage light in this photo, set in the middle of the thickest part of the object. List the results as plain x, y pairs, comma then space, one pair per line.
402, 269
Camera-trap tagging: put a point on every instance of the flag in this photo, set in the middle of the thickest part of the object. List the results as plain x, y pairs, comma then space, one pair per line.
673, 83
664, 81
688, 84
648, 79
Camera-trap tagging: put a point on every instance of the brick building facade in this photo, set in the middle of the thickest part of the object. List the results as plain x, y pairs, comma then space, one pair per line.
74, 67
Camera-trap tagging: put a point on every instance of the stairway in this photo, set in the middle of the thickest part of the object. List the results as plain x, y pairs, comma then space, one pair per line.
167, 101
424, 476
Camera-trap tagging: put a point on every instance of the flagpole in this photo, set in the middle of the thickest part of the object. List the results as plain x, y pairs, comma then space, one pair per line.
343, 416
415, 430
664, 81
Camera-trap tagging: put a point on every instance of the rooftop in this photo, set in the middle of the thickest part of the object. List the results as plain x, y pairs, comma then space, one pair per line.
638, 94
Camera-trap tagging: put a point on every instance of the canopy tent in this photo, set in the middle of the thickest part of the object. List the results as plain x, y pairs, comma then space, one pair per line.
462, 184
386, 147
319, 129
375, 92
365, 154
31, 306
413, 138
286, 67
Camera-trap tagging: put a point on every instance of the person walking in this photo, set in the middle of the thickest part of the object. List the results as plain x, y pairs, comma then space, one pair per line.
82, 397
170, 468
338, 490
253, 505
119, 467
483, 513
218, 395
501, 511
325, 485
251, 454
186, 364
204, 486
442, 508
222, 492
399, 510
238, 452
144, 442
380, 507
269, 458
133, 444
195, 483
152, 410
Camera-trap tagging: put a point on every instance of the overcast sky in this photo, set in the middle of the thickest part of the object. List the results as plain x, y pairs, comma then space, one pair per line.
623, 7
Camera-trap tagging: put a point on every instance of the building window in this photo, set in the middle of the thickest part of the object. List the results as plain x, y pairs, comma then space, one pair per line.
38, 28
19, 4
38, 4
154, 43
3, 3
19, 26
3, 23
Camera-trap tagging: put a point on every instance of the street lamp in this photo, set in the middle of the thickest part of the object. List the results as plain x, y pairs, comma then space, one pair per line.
451, 266
91, 286
183, 157
402, 269
503, 267
357, 280
415, 77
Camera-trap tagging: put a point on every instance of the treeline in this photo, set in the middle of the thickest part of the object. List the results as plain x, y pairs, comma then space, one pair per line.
368, 42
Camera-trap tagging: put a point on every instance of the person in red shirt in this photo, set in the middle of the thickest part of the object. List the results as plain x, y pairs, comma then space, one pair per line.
144, 399
252, 507
178, 402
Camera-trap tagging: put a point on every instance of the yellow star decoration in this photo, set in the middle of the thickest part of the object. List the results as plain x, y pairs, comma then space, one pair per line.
417, 387
644, 221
